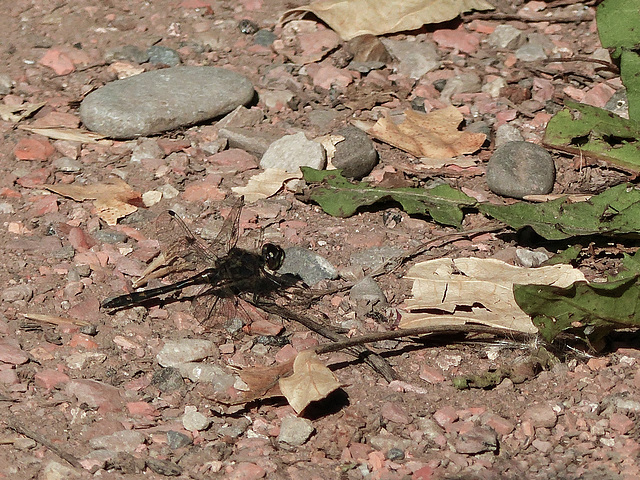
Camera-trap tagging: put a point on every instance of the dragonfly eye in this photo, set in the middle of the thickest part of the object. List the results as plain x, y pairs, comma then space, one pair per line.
273, 256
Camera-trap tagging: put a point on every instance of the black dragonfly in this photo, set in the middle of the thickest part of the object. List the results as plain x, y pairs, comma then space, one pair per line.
231, 270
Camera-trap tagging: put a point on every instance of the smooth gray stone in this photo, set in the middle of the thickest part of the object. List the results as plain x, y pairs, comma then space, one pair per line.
159, 55
308, 265
517, 169
161, 100
355, 155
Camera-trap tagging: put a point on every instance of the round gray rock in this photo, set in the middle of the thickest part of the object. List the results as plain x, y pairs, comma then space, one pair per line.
517, 169
355, 155
161, 100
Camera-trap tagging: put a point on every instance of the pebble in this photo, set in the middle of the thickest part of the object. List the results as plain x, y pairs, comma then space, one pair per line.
10, 352
175, 352
57, 471
530, 52
203, 372
384, 443
247, 139
159, 55
146, 148
395, 454
264, 38
6, 84
17, 292
161, 100
295, 431
168, 379
308, 265
67, 165
177, 440
517, 169
368, 290
478, 440
162, 467
415, 58
506, 133
541, 415
123, 441
356, 155
192, 420
95, 394
507, 37
129, 53
291, 152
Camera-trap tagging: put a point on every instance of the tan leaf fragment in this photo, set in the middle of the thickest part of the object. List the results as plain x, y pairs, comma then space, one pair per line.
265, 184
16, 113
113, 200
54, 320
434, 134
351, 18
476, 290
311, 381
70, 134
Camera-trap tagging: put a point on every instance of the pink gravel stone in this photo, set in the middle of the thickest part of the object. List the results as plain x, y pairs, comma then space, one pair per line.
58, 61
458, 39
501, 425
50, 378
621, 423
541, 416
246, 471
204, 190
394, 413
142, 409
33, 149
10, 352
542, 446
445, 415
95, 394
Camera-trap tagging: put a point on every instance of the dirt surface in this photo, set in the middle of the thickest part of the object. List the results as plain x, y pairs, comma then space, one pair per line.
66, 386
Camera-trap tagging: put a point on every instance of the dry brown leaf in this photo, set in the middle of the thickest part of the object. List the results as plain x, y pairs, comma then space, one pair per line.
15, 113
70, 134
433, 134
351, 18
265, 184
311, 381
476, 290
112, 200
54, 320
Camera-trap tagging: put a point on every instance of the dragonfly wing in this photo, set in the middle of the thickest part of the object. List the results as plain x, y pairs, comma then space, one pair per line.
227, 238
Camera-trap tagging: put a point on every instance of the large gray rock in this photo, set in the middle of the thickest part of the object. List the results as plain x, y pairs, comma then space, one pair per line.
517, 169
161, 100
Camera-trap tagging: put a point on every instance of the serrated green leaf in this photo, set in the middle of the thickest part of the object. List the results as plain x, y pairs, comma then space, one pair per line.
594, 132
619, 24
339, 197
590, 310
615, 211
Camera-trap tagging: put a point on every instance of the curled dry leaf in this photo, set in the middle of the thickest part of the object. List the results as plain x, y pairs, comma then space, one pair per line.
351, 18
113, 200
434, 134
311, 381
16, 113
265, 184
458, 291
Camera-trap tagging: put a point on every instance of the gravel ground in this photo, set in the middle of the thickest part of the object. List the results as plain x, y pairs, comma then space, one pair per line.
85, 393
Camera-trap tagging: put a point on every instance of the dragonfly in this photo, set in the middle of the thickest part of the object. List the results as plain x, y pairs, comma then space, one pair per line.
231, 270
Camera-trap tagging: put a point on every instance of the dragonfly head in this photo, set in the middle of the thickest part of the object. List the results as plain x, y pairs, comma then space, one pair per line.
273, 256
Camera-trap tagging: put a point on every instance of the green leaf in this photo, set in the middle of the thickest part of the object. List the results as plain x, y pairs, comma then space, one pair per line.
590, 310
630, 74
615, 211
339, 197
597, 133
619, 24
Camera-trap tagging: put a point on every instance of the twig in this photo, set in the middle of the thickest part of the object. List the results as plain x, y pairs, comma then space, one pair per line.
14, 424
532, 18
372, 359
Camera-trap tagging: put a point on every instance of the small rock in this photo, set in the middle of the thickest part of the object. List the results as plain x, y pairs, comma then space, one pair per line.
146, 148
541, 416
415, 58
175, 352
542, 446
507, 37
247, 139
241, 117
11, 352
6, 84
507, 133
530, 52
517, 169
368, 49
295, 431
308, 265
56, 471
160, 100
177, 440
480, 127
159, 55
202, 372
395, 454
264, 37
67, 165
384, 443
368, 290
291, 152
394, 413
123, 441
192, 420
168, 379
530, 259
355, 155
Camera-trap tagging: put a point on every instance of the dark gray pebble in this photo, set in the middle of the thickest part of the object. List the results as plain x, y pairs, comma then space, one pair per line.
168, 379
159, 55
355, 155
264, 38
308, 265
161, 100
517, 169
177, 440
